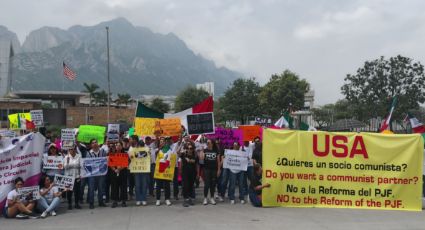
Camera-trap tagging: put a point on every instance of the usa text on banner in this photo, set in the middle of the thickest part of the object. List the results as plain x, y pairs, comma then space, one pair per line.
165, 166
235, 160
140, 160
64, 182
20, 157
88, 132
94, 166
342, 170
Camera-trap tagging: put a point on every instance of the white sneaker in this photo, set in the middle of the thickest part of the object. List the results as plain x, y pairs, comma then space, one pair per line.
205, 201
242, 201
53, 213
43, 215
216, 197
212, 201
144, 203
232, 201
138, 203
220, 198
158, 202
168, 202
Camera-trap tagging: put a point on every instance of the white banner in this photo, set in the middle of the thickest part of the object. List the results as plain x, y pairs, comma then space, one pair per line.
94, 166
29, 193
235, 160
68, 135
114, 128
52, 162
37, 118
64, 182
20, 157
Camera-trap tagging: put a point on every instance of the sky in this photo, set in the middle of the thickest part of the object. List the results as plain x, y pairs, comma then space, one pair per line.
320, 40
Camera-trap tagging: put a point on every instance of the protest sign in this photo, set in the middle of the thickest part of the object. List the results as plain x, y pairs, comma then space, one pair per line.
37, 118
118, 160
20, 157
140, 160
200, 123
97, 166
88, 132
68, 135
52, 162
249, 132
131, 132
7, 133
113, 137
114, 128
29, 193
165, 165
64, 182
144, 126
235, 160
227, 137
169, 127
342, 170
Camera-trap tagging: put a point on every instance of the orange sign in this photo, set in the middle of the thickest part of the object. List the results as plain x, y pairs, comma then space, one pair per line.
249, 132
168, 127
118, 160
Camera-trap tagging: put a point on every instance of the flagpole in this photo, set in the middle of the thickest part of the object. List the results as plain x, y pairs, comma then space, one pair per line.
109, 80
63, 89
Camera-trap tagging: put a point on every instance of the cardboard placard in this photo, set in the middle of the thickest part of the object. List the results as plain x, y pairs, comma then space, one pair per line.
200, 123
64, 182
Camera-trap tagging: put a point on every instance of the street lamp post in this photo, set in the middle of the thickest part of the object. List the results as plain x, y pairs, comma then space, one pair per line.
108, 72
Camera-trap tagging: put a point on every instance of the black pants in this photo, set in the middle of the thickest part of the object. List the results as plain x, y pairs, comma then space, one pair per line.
162, 184
188, 179
119, 185
210, 177
75, 191
176, 182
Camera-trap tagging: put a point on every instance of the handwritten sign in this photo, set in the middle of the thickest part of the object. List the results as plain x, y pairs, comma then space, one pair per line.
200, 123
118, 160
88, 132
227, 137
140, 160
249, 132
235, 160
37, 118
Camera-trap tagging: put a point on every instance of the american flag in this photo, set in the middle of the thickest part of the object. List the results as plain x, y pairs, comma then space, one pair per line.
68, 73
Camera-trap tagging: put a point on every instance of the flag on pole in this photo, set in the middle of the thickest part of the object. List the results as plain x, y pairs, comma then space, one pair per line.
68, 73
386, 123
282, 123
417, 126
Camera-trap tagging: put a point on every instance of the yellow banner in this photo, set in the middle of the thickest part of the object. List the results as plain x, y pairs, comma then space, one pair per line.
165, 166
140, 160
156, 126
342, 170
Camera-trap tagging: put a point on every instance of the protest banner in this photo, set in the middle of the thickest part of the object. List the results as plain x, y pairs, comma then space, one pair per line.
114, 128
200, 123
7, 133
169, 127
235, 160
227, 137
52, 162
88, 132
118, 160
144, 126
64, 182
37, 118
20, 157
249, 132
165, 165
342, 170
97, 166
29, 193
140, 160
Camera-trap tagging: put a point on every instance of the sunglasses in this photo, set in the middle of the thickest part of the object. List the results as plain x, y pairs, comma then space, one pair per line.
190, 148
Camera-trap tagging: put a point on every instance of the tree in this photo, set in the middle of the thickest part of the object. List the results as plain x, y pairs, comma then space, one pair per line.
371, 89
283, 92
101, 98
159, 105
329, 113
91, 89
240, 100
123, 99
189, 97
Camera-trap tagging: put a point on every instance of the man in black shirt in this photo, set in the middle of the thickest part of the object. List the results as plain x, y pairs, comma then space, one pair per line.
255, 188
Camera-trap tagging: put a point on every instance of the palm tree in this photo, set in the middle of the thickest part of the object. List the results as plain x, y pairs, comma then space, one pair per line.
91, 89
123, 99
101, 98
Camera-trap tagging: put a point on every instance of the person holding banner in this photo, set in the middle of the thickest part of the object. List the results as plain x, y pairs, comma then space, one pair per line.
118, 177
236, 175
17, 204
50, 198
164, 146
255, 187
71, 165
190, 170
52, 151
211, 170
96, 182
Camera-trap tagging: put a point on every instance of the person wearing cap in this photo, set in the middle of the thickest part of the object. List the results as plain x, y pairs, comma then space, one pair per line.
71, 164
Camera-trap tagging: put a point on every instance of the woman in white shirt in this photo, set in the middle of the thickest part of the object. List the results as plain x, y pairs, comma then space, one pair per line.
50, 198
71, 164
16, 204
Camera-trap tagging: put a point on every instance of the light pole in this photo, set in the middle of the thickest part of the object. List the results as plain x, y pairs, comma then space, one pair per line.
109, 80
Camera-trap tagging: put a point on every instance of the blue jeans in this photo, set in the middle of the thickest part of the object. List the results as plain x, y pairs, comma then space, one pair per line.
84, 182
142, 183
232, 184
255, 201
45, 206
96, 182
224, 180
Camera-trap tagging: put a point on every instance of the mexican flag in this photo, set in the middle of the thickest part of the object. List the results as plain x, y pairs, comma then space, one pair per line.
417, 126
21, 121
386, 124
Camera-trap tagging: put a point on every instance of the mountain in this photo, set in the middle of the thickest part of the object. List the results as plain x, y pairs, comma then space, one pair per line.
142, 62
10, 36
